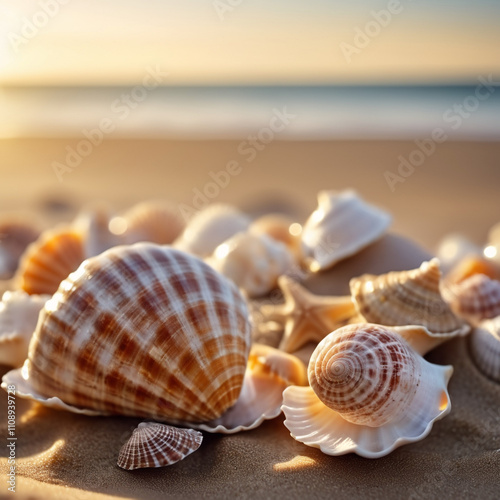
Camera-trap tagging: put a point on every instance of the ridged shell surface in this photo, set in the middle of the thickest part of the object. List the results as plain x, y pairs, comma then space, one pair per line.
485, 348
475, 299
406, 298
341, 226
143, 330
156, 445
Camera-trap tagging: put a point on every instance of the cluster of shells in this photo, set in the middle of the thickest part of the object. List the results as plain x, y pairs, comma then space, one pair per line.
143, 314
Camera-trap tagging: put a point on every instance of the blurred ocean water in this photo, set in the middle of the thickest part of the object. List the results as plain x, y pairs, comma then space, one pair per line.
462, 112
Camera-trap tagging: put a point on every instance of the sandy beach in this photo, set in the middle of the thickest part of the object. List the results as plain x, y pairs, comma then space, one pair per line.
61, 455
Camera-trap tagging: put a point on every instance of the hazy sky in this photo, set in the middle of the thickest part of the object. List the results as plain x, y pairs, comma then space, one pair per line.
248, 41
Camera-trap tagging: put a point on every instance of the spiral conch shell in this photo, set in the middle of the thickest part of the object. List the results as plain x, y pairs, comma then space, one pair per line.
485, 348
342, 225
140, 330
409, 298
370, 393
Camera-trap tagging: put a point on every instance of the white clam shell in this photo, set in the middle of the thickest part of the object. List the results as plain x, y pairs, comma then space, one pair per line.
210, 227
18, 318
370, 393
252, 261
342, 225
485, 348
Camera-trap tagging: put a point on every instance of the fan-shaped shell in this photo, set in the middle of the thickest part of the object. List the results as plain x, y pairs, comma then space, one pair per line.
253, 261
145, 331
18, 318
210, 227
485, 348
154, 221
342, 225
157, 445
407, 298
476, 298
370, 393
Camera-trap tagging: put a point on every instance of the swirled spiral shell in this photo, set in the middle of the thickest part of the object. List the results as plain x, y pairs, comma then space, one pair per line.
485, 348
145, 331
157, 445
365, 373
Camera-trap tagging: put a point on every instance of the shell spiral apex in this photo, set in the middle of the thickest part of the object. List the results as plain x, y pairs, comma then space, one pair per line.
143, 330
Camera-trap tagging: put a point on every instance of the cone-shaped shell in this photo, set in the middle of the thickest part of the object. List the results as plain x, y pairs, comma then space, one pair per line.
407, 298
342, 225
145, 331
485, 348
18, 318
475, 299
157, 445
370, 393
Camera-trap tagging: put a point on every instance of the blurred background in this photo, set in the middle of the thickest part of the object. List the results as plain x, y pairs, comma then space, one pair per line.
126, 100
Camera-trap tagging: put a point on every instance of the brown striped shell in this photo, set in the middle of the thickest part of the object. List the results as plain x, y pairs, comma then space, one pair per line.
407, 298
475, 299
369, 393
142, 330
485, 348
157, 445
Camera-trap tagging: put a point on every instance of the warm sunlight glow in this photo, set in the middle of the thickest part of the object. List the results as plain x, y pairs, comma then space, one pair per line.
298, 462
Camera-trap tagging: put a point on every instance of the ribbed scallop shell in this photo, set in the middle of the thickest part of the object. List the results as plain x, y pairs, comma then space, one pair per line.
210, 227
342, 225
485, 348
370, 393
252, 261
407, 298
154, 221
144, 331
18, 318
157, 445
476, 298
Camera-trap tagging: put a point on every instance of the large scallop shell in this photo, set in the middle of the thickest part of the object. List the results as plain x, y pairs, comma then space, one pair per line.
210, 227
485, 348
370, 393
342, 225
157, 445
253, 261
407, 298
140, 330
475, 299
18, 318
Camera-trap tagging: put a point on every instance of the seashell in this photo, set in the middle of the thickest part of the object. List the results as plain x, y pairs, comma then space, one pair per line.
269, 371
453, 249
18, 318
370, 393
307, 317
49, 260
154, 221
469, 266
140, 330
342, 225
281, 228
485, 348
157, 445
407, 298
254, 262
210, 227
15, 236
475, 299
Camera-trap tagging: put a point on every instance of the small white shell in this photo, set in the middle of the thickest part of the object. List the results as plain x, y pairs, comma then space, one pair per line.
210, 227
252, 261
485, 348
18, 318
341, 226
370, 393
157, 445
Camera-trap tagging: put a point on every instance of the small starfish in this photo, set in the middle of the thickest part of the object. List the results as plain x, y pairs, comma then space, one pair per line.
305, 316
